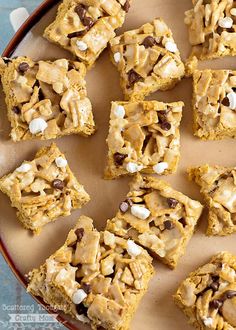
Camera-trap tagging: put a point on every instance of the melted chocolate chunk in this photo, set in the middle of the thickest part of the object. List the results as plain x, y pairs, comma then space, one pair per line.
79, 233
133, 77
58, 184
169, 225
183, 222
172, 202
149, 42
119, 158
225, 101
81, 11
16, 110
23, 67
126, 6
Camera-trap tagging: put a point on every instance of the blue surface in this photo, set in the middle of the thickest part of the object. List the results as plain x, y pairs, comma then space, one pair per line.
13, 298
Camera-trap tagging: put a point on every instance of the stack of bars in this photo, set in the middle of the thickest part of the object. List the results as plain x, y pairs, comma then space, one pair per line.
99, 277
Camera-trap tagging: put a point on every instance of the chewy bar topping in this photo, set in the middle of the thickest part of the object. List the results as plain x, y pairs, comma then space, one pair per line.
157, 217
46, 99
212, 28
148, 60
97, 278
208, 295
43, 189
218, 186
143, 136
214, 104
85, 27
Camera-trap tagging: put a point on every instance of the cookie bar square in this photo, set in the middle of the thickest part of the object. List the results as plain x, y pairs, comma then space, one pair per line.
43, 189
214, 104
84, 27
157, 217
147, 59
46, 99
97, 278
218, 186
208, 295
143, 136
212, 28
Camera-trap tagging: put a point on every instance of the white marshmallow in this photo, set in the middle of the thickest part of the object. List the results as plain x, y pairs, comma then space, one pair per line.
37, 125
208, 321
117, 57
119, 111
61, 162
233, 11
225, 22
171, 46
24, 168
160, 167
133, 249
79, 296
232, 100
133, 167
81, 45
140, 212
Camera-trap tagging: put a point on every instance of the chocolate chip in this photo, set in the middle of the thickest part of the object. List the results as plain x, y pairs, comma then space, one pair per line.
81, 11
216, 304
86, 287
119, 158
133, 77
149, 42
58, 184
219, 30
172, 202
183, 222
165, 125
16, 110
81, 309
23, 67
169, 225
162, 112
124, 206
77, 34
88, 22
126, 6
225, 101
41, 95
231, 29
214, 286
228, 295
79, 233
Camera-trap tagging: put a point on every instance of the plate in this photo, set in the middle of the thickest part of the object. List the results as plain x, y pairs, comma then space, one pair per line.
87, 157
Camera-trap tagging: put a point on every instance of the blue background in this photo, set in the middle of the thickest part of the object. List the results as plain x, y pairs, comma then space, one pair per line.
12, 293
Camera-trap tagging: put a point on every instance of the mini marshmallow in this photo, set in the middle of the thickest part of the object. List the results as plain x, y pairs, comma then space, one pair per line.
232, 100
233, 11
117, 57
37, 125
208, 321
171, 46
79, 296
61, 162
81, 45
24, 168
119, 111
225, 22
140, 212
160, 167
133, 167
133, 249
